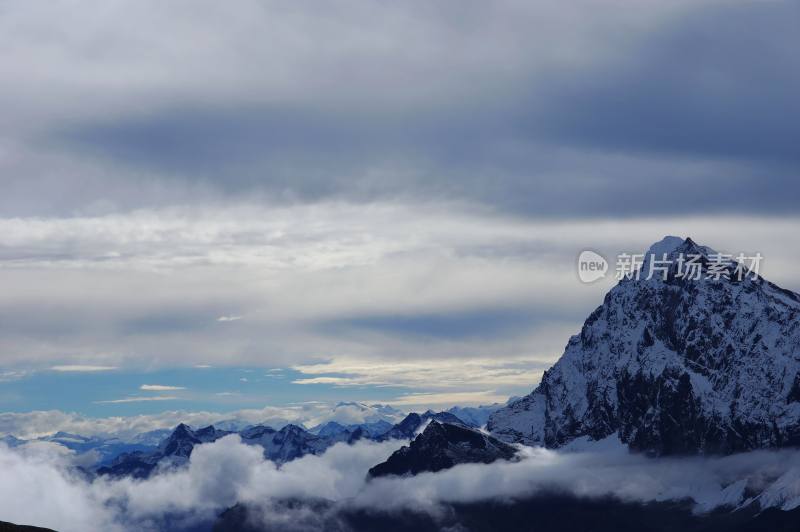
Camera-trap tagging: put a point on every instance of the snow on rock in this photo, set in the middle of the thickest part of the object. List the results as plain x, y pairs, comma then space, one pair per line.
675, 366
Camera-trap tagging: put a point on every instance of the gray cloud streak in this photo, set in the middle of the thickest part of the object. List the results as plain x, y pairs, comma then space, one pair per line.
536, 109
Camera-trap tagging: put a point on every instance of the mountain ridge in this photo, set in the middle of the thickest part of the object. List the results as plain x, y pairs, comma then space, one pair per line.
442, 445
674, 366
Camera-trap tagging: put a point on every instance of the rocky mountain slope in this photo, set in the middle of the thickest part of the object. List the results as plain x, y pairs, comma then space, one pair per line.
674, 366
441, 446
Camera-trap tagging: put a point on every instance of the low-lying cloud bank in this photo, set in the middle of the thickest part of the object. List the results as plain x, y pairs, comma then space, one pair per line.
40, 484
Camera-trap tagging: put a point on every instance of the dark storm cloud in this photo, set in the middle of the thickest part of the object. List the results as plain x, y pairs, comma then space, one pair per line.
698, 115
719, 82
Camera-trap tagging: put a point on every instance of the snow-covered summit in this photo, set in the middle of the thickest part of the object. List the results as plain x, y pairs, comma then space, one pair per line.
675, 365
666, 245
671, 248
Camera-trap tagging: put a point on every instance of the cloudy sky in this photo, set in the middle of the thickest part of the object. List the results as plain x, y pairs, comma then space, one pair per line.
222, 206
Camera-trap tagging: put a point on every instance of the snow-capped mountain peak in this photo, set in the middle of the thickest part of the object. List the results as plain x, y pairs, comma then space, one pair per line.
673, 365
666, 245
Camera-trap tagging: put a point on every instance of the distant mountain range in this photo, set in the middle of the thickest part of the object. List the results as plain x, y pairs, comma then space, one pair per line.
280, 446
139, 455
286, 444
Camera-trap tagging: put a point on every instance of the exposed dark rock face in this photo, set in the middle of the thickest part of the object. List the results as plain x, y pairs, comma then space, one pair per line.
674, 366
442, 446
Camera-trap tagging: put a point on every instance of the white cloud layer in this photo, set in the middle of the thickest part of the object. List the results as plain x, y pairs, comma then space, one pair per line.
37, 488
416, 296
